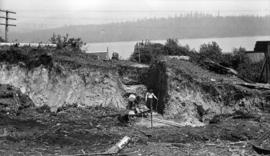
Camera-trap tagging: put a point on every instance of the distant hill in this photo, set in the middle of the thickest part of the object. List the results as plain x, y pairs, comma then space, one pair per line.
199, 26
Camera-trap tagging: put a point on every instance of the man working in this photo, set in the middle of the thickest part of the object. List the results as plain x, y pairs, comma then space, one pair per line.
149, 98
149, 102
132, 106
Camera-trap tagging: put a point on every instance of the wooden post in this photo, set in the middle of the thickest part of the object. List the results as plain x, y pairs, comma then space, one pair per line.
157, 103
6, 24
6, 27
107, 56
268, 64
151, 109
140, 46
262, 71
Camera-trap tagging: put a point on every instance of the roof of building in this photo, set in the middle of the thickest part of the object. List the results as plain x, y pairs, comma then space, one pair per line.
98, 52
261, 46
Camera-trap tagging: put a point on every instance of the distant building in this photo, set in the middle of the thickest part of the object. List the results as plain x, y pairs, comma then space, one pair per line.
260, 50
100, 55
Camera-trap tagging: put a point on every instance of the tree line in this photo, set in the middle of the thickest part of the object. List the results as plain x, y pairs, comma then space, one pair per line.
196, 26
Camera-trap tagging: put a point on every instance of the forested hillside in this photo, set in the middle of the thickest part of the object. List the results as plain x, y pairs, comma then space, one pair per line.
195, 26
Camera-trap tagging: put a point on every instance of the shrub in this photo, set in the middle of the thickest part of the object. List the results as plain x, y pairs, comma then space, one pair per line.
172, 47
239, 61
250, 70
65, 41
245, 67
115, 56
210, 51
146, 52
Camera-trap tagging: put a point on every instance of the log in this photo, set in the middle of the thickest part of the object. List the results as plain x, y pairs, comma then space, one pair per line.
219, 68
255, 85
112, 151
213, 66
119, 145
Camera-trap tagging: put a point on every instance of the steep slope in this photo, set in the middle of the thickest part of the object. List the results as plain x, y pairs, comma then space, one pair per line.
68, 79
194, 95
84, 86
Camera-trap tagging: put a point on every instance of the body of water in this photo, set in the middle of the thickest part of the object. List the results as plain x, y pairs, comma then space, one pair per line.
125, 49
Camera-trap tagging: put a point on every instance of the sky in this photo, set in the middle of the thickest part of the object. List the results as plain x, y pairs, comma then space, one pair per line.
42, 14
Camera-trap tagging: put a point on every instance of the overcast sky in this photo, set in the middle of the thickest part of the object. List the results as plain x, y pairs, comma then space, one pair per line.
52, 13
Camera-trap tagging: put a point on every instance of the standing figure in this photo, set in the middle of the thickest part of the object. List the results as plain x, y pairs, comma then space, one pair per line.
149, 102
149, 98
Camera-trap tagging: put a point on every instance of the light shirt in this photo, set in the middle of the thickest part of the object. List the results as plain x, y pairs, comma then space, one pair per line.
150, 96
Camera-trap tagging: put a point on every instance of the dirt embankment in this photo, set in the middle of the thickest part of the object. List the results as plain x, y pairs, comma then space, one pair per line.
193, 95
62, 78
186, 92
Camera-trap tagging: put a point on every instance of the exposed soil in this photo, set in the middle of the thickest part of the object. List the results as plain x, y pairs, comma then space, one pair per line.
78, 130
187, 94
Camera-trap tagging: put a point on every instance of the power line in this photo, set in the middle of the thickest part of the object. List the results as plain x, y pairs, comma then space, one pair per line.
6, 24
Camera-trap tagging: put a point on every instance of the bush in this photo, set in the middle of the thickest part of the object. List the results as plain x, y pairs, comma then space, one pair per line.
172, 47
65, 41
27, 57
115, 56
146, 52
250, 70
211, 51
245, 67
233, 60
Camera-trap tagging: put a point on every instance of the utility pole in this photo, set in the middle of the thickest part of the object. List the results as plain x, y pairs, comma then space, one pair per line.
6, 24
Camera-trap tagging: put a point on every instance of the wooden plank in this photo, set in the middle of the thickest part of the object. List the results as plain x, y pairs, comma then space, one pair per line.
261, 86
253, 52
12, 12
262, 71
8, 18
8, 24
